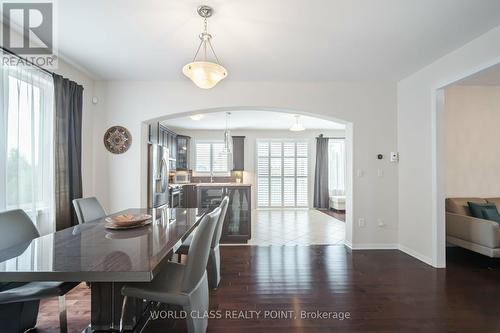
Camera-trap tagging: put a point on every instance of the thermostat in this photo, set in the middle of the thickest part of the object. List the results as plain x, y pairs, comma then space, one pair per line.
394, 157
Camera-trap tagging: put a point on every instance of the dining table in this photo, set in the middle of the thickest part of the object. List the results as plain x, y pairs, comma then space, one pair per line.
104, 258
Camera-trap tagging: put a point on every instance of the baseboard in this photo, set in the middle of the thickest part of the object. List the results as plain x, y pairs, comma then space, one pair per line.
416, 255
374, 246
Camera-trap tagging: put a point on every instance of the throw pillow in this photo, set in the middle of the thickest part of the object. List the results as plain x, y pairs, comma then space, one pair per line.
476, 209
491, 214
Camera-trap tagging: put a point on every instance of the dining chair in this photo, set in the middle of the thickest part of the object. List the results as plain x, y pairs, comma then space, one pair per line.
88, 209
21, 300
185, 285
214, 257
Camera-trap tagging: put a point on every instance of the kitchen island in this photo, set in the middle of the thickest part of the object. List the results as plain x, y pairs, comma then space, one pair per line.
237, 225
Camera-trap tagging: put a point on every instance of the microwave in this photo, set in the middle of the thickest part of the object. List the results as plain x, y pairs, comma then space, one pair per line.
182, 177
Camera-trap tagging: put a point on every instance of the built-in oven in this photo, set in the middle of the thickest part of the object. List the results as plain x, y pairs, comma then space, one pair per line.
175, 196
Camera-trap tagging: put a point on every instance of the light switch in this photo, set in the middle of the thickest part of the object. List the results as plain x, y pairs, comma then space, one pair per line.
361, 223
380, 173
360, 173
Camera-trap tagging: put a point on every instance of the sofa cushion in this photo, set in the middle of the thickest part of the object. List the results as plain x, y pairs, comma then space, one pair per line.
460, 205
477, 209
491, 214
496, 201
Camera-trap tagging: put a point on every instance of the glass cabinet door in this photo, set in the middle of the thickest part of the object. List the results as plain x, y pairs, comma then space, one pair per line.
182, 152
238, 216
209, 196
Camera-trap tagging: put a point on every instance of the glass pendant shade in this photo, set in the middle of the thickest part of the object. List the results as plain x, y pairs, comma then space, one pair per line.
204, 74
297, 127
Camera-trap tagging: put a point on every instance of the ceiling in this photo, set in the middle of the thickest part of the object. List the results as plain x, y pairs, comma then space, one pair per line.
335, 40
487, 77
251, 120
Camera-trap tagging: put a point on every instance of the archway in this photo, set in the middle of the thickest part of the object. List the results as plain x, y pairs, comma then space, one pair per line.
348, 145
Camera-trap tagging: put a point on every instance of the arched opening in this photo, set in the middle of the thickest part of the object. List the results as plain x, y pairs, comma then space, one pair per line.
180, 123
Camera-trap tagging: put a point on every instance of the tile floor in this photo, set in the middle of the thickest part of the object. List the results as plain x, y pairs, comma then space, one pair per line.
295, 227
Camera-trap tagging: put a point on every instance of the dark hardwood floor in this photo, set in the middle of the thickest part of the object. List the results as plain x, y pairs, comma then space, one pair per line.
339, 215
383, 291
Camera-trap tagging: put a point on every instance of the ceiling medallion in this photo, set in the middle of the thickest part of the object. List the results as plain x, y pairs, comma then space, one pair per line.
117, 139
204, 73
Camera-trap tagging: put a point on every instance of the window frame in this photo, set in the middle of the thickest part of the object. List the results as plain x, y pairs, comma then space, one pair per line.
208, 173
282, 176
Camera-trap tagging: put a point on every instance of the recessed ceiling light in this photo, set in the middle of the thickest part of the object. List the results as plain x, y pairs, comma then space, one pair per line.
196, 116
297, 127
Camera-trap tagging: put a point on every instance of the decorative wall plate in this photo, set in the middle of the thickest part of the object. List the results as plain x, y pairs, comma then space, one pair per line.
117, 139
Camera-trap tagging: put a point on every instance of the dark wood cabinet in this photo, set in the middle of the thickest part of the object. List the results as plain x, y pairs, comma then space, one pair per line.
237, 224
168, 139
190, 196
183, 151
238, 153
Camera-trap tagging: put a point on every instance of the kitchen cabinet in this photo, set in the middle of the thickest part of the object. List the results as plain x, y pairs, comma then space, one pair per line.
238, 153
190, 196
183, 149
168, 139
237, 224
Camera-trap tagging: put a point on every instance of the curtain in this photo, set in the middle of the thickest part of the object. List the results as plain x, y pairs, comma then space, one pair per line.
26, 143
337, 167
321, 198
68, 149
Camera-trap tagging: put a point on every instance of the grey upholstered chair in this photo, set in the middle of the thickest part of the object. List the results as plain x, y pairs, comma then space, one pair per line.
21, 300
182, 284
88, 209
214, 261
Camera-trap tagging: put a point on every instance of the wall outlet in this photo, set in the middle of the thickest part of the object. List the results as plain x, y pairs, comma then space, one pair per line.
360, 173
361, 223
381, 223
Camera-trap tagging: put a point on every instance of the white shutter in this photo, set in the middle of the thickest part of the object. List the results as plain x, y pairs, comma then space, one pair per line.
202, 158
282, 170
210, 156
219, 158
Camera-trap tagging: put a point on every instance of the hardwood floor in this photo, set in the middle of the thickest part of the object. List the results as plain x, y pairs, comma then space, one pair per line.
339, 215
383, 291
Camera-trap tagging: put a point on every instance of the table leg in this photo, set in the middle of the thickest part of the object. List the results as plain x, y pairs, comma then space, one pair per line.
106, 305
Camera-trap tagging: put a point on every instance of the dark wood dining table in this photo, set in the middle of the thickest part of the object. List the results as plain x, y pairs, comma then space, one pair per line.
106, 258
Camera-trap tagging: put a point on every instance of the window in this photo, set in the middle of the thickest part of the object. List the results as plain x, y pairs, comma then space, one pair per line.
210, 157
282, 169
337, 166
26, 147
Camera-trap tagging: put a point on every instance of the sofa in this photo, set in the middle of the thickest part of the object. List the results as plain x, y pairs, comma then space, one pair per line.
475, 234
337, 202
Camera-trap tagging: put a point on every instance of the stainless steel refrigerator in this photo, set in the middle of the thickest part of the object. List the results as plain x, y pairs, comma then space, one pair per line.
158, 170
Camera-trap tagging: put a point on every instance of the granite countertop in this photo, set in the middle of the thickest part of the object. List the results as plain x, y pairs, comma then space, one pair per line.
219, 184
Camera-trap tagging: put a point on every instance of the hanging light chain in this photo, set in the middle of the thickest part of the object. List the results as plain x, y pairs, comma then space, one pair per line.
205, 39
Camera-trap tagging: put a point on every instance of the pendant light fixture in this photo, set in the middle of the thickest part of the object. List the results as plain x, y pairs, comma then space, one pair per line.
204, 73
297, 127
228, 139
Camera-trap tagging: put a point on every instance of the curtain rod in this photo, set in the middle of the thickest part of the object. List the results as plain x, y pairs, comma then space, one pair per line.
330, 137
26, 60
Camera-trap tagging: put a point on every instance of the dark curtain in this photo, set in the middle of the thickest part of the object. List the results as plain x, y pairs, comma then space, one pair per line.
321, 198
68, 99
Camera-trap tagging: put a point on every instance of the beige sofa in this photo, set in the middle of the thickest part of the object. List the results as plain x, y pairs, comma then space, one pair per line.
478, 235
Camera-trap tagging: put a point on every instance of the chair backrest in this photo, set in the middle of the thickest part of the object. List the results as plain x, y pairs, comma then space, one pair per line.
16, 228
199, 250
88, 209
218, 228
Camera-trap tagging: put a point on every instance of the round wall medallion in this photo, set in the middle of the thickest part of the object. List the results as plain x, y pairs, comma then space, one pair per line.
117, 139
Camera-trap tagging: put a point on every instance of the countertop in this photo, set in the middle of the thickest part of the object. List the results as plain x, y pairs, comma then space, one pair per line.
218, 184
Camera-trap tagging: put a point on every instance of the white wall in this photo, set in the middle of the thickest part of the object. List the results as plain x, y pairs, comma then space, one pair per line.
371, 108
472, 138
251, 136
421, 182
